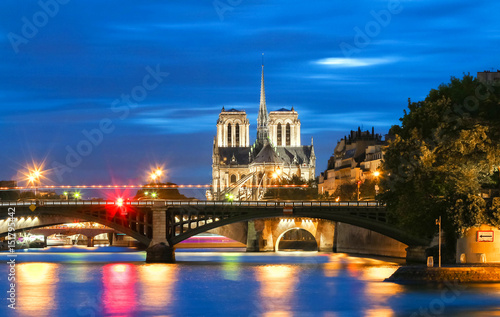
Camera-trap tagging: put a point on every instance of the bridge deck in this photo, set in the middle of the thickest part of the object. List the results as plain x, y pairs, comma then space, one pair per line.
160, 203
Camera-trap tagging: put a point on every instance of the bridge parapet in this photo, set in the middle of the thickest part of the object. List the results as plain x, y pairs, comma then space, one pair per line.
159, 202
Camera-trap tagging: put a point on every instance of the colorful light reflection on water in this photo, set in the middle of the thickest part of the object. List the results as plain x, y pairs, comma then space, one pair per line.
228, 284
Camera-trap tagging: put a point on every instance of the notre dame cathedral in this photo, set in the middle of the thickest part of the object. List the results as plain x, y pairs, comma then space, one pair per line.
243, 171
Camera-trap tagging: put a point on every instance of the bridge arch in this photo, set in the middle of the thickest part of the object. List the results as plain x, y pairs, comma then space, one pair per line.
129, 224
369, 220
308, 244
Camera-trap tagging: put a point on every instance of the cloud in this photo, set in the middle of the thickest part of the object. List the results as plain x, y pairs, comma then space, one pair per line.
343, 62
346, 121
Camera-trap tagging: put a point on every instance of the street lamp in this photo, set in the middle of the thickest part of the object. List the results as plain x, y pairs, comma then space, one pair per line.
155, 175
438, 223
376, 174
158, 172
34, 176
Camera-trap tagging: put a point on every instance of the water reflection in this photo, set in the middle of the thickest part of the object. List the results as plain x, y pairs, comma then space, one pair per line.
277, 287
119, 297
36, 288
157, 285
234, 285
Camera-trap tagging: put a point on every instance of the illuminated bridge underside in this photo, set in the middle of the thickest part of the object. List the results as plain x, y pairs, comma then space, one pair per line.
186, 219
137, 223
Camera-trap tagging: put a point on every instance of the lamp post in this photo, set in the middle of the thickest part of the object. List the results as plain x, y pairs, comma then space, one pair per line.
153, 177
376, 174
438, 222
34, 176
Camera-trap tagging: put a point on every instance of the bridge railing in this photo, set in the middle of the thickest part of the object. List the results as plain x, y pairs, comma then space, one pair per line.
159, 203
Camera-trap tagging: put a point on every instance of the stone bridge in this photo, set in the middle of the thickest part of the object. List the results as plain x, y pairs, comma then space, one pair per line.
163, 224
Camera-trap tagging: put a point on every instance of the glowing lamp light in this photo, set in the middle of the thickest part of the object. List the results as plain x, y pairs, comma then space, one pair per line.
153, 195
158, 172
119, 202
376, 173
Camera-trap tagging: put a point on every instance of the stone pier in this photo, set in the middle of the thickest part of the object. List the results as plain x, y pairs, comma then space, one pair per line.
159, 250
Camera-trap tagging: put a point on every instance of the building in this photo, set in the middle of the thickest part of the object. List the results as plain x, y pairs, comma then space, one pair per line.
356, 157
244, 171
489, 76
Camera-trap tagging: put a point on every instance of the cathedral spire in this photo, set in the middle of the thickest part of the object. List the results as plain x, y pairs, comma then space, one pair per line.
263, 118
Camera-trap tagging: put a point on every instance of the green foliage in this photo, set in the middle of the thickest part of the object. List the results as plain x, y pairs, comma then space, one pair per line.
160, 193
494, 211
9, 195
445, 151
310, 192
346, 192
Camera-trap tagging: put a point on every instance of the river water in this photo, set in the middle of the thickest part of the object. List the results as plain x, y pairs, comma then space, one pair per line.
76, 281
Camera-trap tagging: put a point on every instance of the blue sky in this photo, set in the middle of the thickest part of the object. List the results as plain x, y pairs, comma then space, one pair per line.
65, 68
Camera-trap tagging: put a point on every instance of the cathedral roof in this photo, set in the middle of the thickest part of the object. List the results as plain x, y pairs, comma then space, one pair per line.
295, 154
267, 155
240, 155
288, 155
232, 110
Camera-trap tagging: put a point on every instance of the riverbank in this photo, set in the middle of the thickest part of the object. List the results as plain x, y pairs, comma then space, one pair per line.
460, 274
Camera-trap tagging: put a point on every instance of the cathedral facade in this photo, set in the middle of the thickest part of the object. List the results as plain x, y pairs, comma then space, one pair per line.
242, 170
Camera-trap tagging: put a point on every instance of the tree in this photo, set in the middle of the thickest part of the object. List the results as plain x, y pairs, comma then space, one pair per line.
9, 195
445, 152
346, 192
160, 193
297, 192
